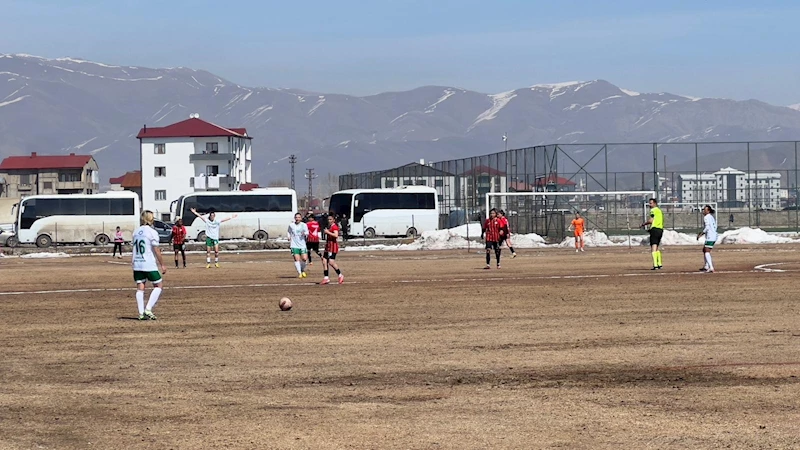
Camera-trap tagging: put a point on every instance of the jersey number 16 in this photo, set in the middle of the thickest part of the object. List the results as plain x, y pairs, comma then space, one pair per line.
139, 246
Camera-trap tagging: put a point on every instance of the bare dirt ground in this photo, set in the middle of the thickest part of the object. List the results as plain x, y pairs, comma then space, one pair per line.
416, 350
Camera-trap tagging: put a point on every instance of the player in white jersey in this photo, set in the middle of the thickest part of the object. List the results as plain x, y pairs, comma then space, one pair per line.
298, 232
146, 263
710, 232
212, 235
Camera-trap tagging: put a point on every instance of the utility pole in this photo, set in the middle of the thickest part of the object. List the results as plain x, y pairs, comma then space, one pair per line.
310, 177
505, 140
292, 161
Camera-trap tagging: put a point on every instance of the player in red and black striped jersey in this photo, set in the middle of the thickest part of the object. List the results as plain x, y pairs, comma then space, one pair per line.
312, 241
506, 236
331, 249
492, 232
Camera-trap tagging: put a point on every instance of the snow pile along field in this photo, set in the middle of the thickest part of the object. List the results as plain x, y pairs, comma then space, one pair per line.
595, 238
751, 236
45, 255
674, 238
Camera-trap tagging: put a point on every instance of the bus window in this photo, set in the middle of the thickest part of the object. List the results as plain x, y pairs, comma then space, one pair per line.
121, 206
97, 206
27, 214
341, 203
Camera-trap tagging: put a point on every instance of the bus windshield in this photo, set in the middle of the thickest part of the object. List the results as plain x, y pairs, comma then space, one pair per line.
341, 203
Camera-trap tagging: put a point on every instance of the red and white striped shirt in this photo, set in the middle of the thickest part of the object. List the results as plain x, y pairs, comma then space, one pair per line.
313, 231
491, 230
332, 243
504, 226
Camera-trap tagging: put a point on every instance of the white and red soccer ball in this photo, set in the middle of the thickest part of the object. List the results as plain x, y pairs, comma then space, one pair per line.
285, 304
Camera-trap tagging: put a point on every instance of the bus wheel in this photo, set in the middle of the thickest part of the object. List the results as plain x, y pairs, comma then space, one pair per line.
260, 235
369, 233
43, 241
12, 242
101, 239
201, 236
412, 232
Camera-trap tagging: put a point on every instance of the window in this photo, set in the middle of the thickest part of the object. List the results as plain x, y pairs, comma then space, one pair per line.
212, 171
191, 182
165, 217
48, 185
422, 183
25, 179
160, 149
235, 204
160, 171
161, 195
389, 183
69, 177
212, 147
438, 183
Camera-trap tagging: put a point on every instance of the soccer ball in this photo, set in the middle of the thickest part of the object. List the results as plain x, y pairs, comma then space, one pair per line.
285, 304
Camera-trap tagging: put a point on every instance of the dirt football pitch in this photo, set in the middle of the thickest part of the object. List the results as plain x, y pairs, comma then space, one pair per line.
416, 350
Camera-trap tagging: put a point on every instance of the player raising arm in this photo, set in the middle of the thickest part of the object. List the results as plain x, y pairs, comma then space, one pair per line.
577, 226
710, 232
212, 235
298, 232
491, 232
146, 263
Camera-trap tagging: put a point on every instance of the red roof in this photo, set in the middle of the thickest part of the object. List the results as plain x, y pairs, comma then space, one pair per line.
36, 162
191, 128
116, 180
553, 179
248, 186
132, 179
480, 170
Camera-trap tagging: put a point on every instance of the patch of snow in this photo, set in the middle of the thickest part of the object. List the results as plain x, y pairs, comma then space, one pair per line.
583, 86
319, 103
45, 255
159, 111
98, 150
499, 101
398, 117
631, 93
83, 61
258, 112
18, 99
246, 96
195, 80
16, 74
345, 144
447, 94
13, 93
749, 235
301, 99
795, 107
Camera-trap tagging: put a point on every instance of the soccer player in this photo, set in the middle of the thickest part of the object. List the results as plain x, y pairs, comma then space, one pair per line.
179, 241
212, 235
505, 232
298, 232
146, 263
656, 223
491, 231
710, 232
331, 249
312, 241
577, 226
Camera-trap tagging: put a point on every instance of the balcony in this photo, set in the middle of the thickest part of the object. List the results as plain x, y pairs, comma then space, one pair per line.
219, 182
204, 157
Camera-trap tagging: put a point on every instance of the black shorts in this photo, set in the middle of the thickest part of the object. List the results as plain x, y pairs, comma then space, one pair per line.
330, 255
492, 245
177, 247
312, 246
655, 236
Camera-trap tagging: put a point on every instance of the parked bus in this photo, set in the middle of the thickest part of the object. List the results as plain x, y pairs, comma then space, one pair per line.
262, 213
402, 211
75, 218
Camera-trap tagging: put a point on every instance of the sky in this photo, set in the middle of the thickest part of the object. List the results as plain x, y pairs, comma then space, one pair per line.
711, 48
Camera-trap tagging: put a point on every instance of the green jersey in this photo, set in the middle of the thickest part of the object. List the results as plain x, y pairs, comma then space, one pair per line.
658, 218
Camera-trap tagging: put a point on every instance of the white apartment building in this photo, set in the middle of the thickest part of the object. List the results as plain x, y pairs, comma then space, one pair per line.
732, 188
191, 156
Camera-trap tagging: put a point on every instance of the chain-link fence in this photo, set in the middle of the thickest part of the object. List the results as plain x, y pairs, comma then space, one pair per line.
752, 183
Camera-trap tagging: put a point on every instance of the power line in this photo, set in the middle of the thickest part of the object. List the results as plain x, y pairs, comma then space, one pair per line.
292, 161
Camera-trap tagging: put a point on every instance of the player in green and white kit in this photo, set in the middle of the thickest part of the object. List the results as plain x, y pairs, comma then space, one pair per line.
146, 264
298, 232
212, 235
710, 232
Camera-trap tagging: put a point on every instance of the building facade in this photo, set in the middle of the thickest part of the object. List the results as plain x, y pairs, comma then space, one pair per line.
191, 156
49, 174
416, 174
732, 188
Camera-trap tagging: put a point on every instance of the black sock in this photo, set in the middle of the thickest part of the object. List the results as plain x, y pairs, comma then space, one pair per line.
176, 263
512, 249
338, 272
326, 273
497, 255
488, 258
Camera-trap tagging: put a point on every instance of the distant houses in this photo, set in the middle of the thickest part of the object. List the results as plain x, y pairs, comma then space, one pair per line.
21, 176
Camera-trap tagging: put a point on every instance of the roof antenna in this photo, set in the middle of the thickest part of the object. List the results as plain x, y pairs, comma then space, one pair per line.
145, 129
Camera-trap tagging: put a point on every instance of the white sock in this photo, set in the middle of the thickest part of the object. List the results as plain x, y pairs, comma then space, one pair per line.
151, 303
303, 265
709, 264
140, 301
208, 260
297, 266
216, 259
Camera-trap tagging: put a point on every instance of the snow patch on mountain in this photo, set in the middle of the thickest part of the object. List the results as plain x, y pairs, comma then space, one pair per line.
447, 94
18, 99
499, 101
320, 102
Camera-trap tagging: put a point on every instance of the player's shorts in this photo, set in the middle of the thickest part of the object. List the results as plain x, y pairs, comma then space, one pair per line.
312, 247
492, 245
177, 247
709, 244
655, 236
329, 255
579, 234
211, 242
299, 251
141, 277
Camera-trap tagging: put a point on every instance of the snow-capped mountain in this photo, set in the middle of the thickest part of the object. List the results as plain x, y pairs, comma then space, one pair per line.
68, 104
